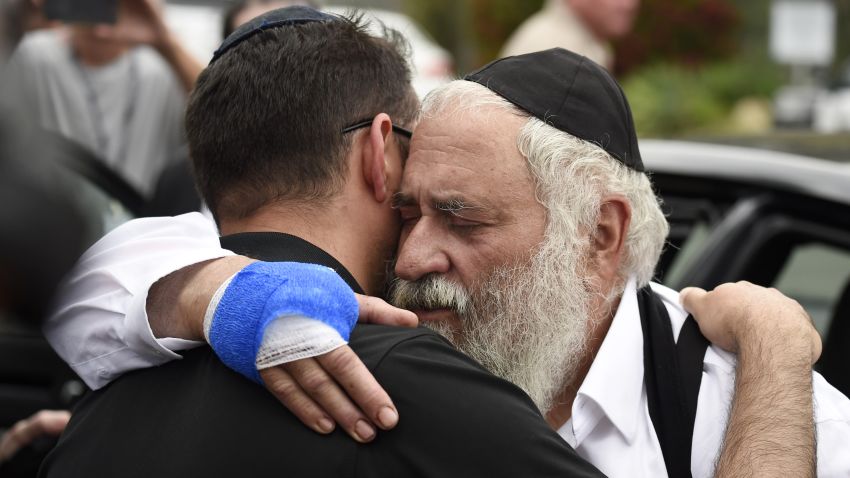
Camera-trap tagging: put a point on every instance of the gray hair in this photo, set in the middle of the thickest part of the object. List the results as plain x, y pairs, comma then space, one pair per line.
571, 176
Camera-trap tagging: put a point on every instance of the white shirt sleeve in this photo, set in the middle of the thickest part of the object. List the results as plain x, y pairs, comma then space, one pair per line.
99, 324
831, 413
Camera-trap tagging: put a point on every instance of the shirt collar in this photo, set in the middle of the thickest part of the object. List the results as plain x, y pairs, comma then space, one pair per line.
280, 247
615, 380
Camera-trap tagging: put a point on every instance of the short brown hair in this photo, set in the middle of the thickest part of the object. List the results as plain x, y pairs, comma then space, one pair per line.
264, 122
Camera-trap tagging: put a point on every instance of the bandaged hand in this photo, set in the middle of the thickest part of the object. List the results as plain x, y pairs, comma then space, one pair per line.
286, 325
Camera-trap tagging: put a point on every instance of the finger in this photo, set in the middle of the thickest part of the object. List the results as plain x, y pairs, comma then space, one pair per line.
692, 299
19, 436
817, 346
323, 389
25, 431
289, 393
349, 371
53, 422
376, 311
8, 445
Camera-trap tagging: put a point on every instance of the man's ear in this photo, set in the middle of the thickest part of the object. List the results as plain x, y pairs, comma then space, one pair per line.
609, 238
374, 156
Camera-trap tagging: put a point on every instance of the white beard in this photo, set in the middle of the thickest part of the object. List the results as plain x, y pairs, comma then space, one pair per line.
527, 324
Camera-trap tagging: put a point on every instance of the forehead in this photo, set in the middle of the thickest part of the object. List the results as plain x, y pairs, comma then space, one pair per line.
469, 152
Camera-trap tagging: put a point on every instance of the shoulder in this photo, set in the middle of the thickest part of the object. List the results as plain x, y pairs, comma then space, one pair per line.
452, 408
37, 39
670, 298
830, 404
832, 418
41, 48
221, 423
376, 343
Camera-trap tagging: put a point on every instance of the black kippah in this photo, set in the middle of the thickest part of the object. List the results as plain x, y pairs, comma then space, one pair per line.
274, 19
569, 92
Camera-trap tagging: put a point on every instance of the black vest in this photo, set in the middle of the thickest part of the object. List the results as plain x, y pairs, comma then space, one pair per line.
672, 374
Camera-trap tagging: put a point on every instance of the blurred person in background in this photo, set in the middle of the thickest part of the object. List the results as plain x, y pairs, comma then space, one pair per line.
117, 89
245, 10
175, 192
16, 18
582, 26
11, 27
42, 233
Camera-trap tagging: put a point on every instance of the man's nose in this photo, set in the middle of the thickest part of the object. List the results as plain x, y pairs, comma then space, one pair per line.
421, 252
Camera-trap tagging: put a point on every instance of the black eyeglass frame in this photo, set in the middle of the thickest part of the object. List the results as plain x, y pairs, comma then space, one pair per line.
366, 123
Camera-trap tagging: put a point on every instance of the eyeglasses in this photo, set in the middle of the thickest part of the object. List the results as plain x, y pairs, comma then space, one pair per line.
366, 123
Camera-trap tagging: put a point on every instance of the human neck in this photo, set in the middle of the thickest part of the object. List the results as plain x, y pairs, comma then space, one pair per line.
328, 228
91, 52
603, 316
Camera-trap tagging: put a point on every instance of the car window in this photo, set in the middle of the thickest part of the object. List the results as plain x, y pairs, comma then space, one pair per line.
815, 275
684, 255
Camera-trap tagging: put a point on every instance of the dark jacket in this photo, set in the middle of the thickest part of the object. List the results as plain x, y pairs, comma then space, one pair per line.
195, 417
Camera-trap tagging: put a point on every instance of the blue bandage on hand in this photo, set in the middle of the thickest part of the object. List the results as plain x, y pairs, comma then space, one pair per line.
265, 291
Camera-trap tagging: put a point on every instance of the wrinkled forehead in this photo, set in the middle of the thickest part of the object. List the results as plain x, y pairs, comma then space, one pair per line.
472, 151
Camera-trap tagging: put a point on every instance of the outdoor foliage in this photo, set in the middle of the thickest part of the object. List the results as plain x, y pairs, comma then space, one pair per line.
688, 32
669, 99
688, 63
685, 68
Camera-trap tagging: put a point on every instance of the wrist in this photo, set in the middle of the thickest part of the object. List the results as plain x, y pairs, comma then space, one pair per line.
204, 290
165, 43
778, 339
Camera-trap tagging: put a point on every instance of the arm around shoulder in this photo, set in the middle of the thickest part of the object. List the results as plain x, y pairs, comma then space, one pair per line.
99, 324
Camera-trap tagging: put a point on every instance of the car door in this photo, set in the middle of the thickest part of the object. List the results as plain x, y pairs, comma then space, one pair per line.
726, 231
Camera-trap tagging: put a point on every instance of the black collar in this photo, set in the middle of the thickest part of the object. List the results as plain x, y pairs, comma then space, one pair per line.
280, 247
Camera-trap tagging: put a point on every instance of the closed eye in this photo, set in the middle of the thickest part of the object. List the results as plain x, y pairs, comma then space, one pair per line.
458, 221
409, 216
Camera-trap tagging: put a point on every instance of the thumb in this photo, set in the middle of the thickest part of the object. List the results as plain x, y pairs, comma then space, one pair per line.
692, 299
377, 311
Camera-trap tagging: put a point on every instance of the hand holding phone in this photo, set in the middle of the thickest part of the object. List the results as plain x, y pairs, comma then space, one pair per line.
82, 11
139, 22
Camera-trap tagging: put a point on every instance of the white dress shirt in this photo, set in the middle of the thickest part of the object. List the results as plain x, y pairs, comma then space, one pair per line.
107, 333
100, 325
611, 427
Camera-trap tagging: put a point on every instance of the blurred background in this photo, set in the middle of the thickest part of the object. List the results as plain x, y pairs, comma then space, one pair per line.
767, 73
742, 109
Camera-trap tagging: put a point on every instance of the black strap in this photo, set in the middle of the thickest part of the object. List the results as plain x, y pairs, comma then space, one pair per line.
672, 374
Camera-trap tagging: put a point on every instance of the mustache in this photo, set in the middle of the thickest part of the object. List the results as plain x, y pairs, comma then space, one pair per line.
430, 292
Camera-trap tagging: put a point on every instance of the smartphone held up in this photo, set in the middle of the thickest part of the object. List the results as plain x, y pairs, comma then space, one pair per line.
82, 11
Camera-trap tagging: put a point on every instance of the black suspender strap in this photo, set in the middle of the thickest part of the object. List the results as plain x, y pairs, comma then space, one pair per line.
672, 374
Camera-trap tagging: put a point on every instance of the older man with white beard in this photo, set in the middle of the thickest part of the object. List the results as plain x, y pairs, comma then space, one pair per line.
525, 281
531, 242
530, 235
523, 264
